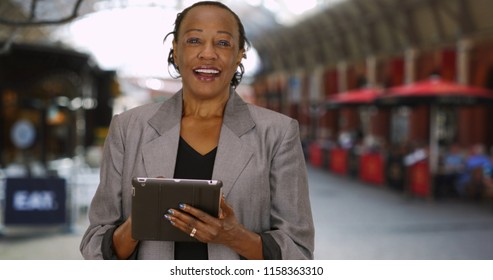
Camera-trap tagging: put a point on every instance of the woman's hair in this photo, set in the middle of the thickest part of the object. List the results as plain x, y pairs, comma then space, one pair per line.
244, 43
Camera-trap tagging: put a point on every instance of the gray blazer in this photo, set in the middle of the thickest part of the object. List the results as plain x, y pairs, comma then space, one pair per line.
259, 159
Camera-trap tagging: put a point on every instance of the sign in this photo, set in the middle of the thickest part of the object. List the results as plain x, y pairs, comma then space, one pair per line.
420, 179
371, 168
23, 134
35, 201
339, 161
315, 155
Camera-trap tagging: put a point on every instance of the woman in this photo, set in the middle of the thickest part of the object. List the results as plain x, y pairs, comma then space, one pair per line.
206, 131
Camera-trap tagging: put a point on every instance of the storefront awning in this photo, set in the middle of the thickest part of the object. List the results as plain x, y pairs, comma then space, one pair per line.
435, 91
359, 97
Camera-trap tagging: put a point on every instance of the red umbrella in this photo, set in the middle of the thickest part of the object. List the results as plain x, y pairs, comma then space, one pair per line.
435, 91
358, 97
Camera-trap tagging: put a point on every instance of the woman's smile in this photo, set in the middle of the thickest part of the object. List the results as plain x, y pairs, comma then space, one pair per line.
207, 73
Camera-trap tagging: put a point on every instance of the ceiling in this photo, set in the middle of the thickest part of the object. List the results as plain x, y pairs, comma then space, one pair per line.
335, 31
53, 22
36, 20
357, 29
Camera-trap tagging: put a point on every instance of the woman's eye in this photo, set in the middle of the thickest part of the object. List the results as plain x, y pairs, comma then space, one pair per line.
192, 41
224, 43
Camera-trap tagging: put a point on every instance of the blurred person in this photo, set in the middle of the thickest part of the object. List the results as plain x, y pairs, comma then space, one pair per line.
454, 160
476, 177
394, 166
206, 131
453, 165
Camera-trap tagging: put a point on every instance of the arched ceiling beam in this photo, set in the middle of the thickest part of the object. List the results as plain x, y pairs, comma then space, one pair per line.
437, 19
354, 26
462, 17
32, 15
303, 45
318, 40
388, 14
277, 50
370, 36
340, 33
331, 45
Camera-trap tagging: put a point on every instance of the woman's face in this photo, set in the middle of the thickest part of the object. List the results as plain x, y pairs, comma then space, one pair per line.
207, 51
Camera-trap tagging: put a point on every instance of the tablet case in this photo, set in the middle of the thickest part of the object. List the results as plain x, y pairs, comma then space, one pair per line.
152, 197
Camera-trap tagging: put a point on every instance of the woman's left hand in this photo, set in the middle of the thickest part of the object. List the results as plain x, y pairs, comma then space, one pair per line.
208, 229
224, 230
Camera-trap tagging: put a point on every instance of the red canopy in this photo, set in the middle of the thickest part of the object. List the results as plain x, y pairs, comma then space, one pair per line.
435, 91
358, 97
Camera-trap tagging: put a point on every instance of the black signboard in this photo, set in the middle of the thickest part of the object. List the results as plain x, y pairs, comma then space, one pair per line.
35, 201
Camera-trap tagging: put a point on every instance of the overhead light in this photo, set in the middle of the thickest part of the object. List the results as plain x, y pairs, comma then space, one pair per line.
75, 104
154, 84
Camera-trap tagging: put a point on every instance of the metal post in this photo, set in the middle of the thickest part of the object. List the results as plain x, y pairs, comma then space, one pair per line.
410, 65
371, 73
463, 49
342, 76
433, 140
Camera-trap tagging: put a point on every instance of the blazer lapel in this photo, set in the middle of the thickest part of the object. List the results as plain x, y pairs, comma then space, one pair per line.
158, 152
233, 153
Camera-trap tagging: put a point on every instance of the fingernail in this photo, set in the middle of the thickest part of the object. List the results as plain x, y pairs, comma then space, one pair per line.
170, 211
167, 217
181, 205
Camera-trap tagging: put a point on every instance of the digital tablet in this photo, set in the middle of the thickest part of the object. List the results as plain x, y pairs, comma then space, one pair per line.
152, 197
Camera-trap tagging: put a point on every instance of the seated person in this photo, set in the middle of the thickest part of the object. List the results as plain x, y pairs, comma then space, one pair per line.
477, 174
453, 166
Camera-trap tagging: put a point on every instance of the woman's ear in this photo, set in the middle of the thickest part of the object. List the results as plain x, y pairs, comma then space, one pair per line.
174, 53
241, 55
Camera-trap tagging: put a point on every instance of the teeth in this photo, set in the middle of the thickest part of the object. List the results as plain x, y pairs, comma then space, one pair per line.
207, 71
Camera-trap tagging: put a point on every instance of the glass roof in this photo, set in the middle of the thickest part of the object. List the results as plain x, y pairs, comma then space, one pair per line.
288, 12
127, 35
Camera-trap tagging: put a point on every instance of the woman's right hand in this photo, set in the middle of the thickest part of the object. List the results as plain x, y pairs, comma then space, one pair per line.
123, 243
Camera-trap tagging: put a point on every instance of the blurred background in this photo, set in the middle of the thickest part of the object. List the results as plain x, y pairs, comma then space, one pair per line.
394, 99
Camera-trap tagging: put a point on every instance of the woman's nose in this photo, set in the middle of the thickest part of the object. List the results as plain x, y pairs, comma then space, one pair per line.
208, 52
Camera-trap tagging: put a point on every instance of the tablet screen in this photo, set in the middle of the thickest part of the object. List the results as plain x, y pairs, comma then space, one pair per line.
152, 197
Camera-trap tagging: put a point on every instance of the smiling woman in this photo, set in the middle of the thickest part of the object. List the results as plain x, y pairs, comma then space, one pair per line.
209, 45
206, 131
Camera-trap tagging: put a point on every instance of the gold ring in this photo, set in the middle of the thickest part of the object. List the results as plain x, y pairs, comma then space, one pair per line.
192, 234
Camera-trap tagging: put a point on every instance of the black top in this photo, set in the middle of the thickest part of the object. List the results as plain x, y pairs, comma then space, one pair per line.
192, 165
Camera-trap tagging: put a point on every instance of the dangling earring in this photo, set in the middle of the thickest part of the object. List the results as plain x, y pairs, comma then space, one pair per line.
238, 76
171, 62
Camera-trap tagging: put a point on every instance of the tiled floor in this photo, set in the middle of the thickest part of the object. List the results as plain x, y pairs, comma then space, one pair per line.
359, 221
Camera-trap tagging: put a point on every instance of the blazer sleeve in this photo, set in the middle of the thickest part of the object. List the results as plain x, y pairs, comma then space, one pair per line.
291, 217
105, 212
